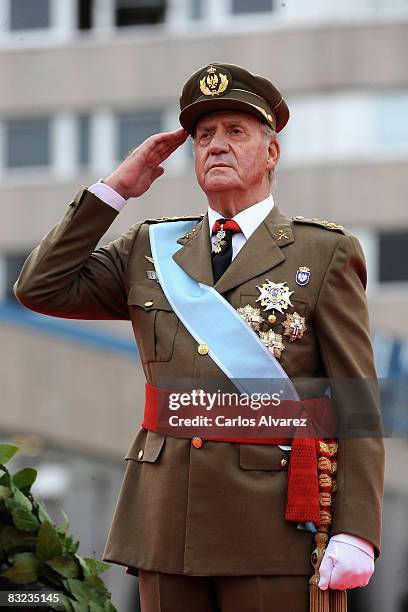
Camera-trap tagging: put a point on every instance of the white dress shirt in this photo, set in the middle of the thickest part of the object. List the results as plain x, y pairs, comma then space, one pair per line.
108, 195
248, 220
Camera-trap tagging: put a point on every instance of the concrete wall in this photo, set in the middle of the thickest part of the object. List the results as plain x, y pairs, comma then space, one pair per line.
74, 396
130, 68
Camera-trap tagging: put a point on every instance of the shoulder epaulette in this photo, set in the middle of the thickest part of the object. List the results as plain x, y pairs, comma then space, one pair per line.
330, 225
198, 217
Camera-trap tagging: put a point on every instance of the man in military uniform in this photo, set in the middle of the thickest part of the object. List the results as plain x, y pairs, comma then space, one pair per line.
201, 521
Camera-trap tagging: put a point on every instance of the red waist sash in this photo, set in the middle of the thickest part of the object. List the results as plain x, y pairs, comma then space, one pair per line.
302, 502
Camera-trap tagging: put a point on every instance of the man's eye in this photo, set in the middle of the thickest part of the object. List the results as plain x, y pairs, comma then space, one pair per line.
237, 130
204, 135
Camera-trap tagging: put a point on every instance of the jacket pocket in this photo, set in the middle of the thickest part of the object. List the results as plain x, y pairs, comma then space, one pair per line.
154, 322
147, 446
263, 457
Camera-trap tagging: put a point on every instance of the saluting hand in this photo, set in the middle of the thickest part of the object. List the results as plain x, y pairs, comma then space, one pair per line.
142, 166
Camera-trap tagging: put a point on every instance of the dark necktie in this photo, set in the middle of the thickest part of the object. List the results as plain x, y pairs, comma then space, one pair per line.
222, 253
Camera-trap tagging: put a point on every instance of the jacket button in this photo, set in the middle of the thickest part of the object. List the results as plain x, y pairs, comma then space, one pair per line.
140, 454
197, 442
203, 349
149, 303
283, 462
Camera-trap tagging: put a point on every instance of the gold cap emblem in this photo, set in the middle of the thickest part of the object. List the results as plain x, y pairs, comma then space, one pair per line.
213, 82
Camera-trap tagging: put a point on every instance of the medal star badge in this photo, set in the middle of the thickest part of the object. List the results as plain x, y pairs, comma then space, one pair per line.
212, 82
274, 296
294, 326
273, 341
251, 315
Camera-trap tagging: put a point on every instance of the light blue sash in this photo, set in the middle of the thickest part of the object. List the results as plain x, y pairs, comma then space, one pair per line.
211, 320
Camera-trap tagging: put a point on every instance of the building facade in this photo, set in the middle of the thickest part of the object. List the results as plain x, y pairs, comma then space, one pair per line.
85, 81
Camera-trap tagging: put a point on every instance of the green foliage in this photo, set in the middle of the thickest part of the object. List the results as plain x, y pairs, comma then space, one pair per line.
36, 549
92, 567
7, 451
25, 568
23, 517
13, 540
5, 479
4, 492
43, 515
48, 542
65, 566
25, 478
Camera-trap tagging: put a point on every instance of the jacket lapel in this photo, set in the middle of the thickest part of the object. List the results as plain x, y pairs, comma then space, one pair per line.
260, 253
195, 255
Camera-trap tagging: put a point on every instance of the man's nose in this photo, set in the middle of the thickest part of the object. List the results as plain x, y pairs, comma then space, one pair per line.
219, 144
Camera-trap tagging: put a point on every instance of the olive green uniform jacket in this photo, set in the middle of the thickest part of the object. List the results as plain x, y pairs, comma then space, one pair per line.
218, 509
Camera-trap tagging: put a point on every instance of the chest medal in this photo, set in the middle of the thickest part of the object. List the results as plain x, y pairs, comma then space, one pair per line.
274, 296
294, 326
251, 315
273, 341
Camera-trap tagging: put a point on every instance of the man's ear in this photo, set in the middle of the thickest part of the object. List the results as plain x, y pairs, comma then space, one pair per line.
273, 153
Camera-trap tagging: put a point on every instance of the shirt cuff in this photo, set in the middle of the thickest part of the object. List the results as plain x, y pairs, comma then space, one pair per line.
360, 543
108, 195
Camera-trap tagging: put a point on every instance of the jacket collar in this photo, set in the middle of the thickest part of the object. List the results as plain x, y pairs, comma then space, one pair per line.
260, 253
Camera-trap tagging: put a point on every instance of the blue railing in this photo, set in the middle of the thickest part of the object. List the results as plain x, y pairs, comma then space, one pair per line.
14, 314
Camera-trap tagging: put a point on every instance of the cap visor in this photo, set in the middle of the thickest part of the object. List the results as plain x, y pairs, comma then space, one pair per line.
193, 112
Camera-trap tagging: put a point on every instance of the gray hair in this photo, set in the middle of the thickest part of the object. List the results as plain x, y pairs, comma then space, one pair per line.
269, 134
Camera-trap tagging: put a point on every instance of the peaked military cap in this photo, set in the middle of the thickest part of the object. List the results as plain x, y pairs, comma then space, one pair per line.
228, 87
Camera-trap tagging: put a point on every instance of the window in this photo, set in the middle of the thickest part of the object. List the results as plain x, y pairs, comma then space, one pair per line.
240, 7
139, 12
196, 9
134, 128
393, 255
27, 142
84, 13
83, 155
391, 124
29, 14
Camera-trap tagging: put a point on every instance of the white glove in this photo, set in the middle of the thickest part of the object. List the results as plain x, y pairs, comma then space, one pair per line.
348, 562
